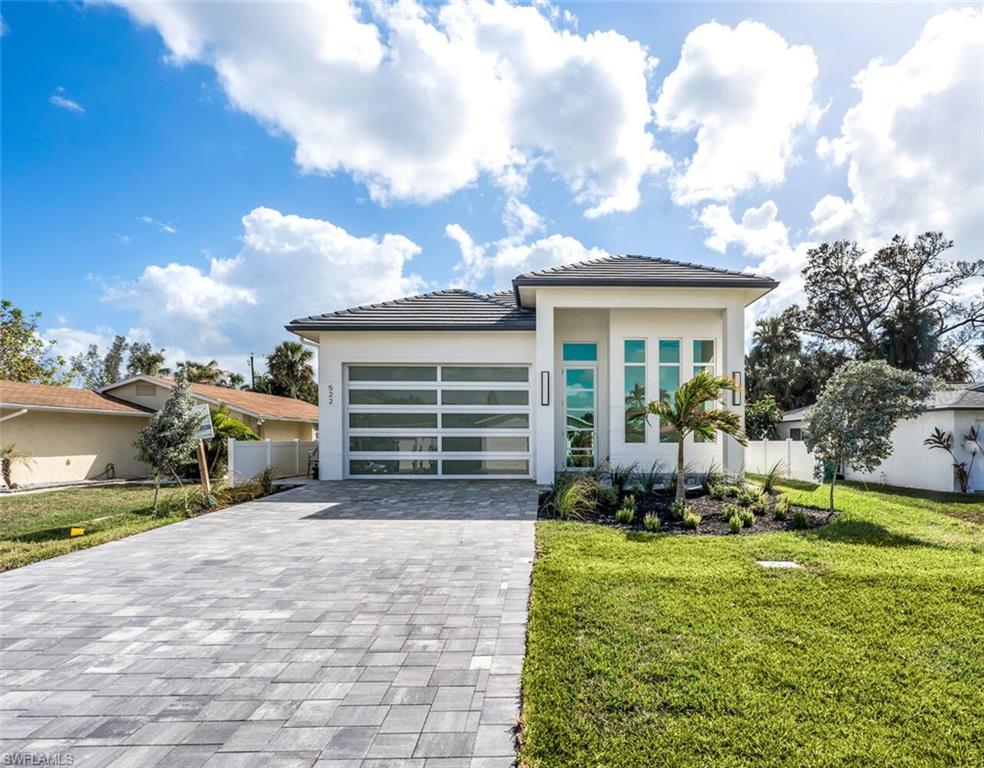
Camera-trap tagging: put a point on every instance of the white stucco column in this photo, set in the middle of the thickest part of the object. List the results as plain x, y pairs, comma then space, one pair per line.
543, 415
331, 450
734, 360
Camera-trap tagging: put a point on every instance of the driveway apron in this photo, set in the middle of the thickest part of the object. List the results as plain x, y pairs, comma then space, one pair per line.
353, 624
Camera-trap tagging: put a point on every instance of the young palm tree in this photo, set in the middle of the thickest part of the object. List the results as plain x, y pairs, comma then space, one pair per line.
201, 373
687, 414
290, 366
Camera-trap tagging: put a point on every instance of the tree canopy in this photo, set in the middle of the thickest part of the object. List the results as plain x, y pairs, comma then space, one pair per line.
853, 420
24, 355
905, 303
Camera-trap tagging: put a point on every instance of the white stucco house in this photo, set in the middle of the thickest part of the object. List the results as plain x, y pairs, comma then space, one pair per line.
912, 465
526, 382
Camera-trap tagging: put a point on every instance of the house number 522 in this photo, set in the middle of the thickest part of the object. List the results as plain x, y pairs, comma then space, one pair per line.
331, 394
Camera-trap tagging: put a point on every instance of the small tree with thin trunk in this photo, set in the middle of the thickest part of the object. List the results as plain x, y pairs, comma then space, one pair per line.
853, 419
169, 439
687, 413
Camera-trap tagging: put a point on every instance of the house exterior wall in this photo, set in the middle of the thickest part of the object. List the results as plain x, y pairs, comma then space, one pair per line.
272, 429
340, 348
128, 392
913, 465
68, 447
718, 314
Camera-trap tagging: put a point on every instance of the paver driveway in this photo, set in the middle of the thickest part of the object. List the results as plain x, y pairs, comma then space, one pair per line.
338, 624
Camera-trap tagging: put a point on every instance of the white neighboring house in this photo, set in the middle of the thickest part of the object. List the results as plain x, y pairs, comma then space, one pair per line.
526, 382
912, 464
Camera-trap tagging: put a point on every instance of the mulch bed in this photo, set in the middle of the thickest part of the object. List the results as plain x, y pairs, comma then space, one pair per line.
713, 522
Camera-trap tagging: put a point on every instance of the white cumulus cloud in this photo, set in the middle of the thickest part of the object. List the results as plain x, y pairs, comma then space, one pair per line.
289, 267
747, 94
912, 143
419, 102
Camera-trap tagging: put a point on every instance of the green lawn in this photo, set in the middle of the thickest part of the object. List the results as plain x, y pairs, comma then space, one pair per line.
679, 651
35, 526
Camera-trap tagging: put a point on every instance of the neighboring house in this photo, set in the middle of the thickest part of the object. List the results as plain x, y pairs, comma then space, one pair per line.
69, 434
913, 465
269, 416
526, 382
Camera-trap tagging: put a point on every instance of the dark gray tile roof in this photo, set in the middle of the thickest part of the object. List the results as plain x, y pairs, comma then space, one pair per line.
643, 271
449, 310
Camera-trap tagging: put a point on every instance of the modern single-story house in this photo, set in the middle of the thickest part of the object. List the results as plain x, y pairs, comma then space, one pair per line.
69, 434
527, 382
271, 417
913, 465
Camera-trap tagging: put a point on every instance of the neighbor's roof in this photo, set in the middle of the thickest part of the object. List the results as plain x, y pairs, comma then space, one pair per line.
959, 396
252, 403
47, 397
647, 271
453, 309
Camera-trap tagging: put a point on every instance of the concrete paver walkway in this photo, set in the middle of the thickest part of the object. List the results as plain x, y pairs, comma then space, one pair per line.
355, 625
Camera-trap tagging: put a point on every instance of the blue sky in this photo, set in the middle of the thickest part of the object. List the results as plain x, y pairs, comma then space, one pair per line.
198, 175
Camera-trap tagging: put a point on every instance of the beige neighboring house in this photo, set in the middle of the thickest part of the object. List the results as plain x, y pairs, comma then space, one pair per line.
70, 434
269, 416
74, 434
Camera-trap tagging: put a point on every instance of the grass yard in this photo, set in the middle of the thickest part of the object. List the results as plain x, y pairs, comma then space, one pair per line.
680, 651
35, 526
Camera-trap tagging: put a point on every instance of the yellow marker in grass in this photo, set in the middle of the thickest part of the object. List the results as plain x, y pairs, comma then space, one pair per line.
76, 531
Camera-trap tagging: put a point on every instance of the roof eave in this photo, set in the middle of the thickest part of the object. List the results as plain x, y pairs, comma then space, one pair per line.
70, 409
329, 328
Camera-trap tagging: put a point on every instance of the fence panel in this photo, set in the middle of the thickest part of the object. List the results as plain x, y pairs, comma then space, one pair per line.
248, 458
761, 456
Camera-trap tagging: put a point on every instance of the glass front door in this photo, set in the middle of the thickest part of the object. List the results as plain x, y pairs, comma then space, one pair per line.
579, 416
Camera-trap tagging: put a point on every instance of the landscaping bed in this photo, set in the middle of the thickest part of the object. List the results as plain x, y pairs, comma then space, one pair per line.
605, 498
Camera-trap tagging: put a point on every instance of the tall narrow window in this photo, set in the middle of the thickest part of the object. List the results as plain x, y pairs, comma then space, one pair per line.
669, 380
704, 362
635, 390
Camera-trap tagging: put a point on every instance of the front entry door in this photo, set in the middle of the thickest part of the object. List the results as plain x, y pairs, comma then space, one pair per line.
580, 416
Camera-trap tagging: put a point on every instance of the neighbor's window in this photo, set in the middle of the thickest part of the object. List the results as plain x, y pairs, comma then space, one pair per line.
704, 361
580, 352
635, 390
669, 380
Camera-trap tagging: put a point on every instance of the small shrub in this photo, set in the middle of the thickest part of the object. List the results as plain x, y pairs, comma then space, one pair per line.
651, 523
799, 519
771, 477
619, 476
734, 524
264, 480
731, 510
713, 476
781, 509
724, 491
691, 519
678, 509
746, 496
761, 504
747, 518
651, 479
570, 497
605, 497
626, 513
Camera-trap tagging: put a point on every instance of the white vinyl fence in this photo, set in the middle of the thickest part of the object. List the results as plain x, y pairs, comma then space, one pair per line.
761, 456
248, 458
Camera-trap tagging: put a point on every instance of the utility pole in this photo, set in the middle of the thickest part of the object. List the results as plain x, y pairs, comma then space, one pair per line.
252, 372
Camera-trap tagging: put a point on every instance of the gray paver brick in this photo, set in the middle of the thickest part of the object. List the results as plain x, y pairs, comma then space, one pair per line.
336, 624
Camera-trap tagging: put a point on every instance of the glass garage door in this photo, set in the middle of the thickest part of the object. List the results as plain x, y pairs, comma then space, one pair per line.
454, 421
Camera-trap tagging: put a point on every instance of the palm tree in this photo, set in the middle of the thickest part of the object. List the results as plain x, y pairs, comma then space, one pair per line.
688, 414
144, 360
9, 456
201, 373
290, 366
